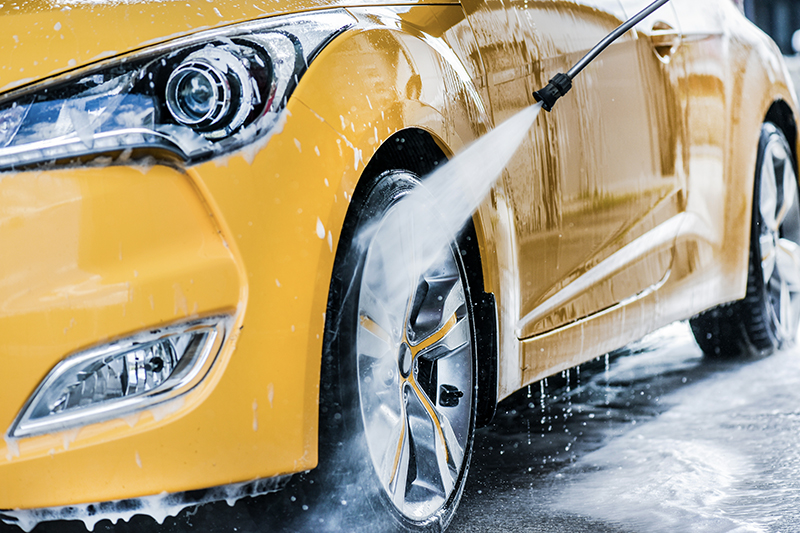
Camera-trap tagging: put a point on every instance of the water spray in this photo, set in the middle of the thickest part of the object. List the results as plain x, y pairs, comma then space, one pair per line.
561, 83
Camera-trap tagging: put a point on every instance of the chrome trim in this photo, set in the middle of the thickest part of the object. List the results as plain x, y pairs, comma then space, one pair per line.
637, 249
217, 327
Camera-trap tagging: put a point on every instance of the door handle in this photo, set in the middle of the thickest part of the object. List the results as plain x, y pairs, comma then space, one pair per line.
665, 39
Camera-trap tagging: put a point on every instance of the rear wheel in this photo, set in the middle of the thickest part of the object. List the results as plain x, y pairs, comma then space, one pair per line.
397, 403
767, 317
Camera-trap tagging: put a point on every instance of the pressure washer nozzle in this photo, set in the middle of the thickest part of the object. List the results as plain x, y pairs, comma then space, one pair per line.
559, 85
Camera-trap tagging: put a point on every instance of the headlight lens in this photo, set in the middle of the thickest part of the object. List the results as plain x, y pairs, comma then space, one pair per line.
123, 377
197, 97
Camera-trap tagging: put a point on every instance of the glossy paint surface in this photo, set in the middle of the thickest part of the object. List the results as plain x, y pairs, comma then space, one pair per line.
626, 208
44, 38
719, 59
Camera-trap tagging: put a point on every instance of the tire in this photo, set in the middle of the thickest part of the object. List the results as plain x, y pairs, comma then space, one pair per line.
766, 319
398, 383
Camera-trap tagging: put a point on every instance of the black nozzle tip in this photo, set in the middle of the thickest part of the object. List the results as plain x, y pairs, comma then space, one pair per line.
559, 85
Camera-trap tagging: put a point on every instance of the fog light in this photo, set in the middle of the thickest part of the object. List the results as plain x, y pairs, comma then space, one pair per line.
121, 378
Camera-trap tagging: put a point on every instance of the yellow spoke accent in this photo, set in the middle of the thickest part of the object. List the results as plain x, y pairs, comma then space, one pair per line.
431, 412
435, 337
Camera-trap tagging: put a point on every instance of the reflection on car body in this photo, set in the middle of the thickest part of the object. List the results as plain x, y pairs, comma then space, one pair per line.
213, 274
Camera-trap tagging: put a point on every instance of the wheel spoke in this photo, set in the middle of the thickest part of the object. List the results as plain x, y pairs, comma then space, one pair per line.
441, 296
442, 309
768, 202
767, 243
376, 331
442, 441
375, 308
436, 336
788, 264
424, 430
408, 257
447, 476
397, 463
453, 335
381, 405
454, 449
789, 191
444, 435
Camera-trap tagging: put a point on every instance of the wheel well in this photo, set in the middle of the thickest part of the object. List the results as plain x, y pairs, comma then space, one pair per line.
781, 115
417, 150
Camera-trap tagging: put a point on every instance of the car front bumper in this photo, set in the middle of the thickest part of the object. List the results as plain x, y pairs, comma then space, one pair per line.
95, 254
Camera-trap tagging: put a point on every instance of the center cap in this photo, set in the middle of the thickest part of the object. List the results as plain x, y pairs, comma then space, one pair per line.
404, 360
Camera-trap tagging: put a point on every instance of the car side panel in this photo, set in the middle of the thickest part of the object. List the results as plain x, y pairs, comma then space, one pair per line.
593, 175
733, 77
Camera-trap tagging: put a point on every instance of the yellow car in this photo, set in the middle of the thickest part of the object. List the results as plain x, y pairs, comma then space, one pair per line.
216, 226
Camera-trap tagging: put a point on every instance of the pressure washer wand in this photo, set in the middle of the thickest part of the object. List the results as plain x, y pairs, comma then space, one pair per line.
561, 83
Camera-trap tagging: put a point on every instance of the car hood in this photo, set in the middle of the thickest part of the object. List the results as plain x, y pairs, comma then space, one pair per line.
43, 38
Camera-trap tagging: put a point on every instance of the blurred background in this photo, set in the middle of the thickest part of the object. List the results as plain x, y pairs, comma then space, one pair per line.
781, 20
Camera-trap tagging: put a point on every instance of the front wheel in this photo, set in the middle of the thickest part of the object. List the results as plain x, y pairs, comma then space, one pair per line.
767, 318
397, 400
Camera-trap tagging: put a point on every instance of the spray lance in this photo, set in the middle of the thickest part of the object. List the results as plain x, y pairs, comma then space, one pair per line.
561, 83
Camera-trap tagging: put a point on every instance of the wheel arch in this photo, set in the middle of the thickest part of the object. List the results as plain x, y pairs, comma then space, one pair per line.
391, 78
780, 114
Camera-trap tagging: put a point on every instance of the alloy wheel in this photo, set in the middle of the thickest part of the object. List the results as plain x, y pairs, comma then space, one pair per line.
414, 358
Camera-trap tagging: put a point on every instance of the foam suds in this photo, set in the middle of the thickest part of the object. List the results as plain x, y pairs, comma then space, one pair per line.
159, 507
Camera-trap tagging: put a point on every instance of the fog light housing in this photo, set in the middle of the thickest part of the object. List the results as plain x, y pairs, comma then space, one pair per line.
120, 378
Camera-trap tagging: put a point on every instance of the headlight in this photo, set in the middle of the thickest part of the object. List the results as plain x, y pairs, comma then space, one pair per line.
122, 377
196, 97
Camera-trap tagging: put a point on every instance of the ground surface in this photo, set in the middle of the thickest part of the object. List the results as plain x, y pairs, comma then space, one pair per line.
660, 440
653, 438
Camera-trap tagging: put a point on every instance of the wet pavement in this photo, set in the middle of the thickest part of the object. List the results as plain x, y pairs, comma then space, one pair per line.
658, 440
652, 438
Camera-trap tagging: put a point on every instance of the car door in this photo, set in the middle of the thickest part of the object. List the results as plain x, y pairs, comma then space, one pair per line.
594, 189
712, 86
